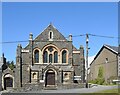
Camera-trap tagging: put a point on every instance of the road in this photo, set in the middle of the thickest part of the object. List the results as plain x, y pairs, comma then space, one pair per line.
81, 90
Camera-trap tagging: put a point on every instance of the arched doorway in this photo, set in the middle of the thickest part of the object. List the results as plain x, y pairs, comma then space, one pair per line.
8, 82
50, 78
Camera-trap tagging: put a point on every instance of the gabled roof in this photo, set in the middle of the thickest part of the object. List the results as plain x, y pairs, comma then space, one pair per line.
113, 49
57, 36
44, 35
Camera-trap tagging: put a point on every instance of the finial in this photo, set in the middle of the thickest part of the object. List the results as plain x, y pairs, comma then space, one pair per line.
50, 23
81, 47
70, 37
3, 55
30, 36
19, 45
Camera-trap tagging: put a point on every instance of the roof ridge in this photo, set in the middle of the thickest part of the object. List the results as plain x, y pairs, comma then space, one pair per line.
113, 48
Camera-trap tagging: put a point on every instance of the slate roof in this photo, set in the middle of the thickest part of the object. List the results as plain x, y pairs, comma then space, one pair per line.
114, 48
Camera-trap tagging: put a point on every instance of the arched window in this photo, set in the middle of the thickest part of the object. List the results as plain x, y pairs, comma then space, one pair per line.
50, 58
36, 56
64, 56
45, 57
50, 55
50, 35
55, 57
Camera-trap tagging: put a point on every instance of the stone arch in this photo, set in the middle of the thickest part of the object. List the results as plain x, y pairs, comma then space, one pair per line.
8, 81
40, 55
48, 45
50, 77
46, 49
66, 55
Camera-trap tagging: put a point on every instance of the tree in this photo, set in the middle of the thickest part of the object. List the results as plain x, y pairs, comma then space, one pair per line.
100, 72
11, 64
100, 79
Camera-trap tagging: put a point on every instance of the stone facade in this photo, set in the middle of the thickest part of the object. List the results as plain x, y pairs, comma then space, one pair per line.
107, 58
1, 63
49, 61
6, 75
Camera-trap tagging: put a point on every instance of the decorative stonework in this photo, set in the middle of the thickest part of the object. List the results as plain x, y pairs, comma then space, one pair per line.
48, 60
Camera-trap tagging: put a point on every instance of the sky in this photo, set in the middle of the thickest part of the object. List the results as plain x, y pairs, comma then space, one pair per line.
21, 18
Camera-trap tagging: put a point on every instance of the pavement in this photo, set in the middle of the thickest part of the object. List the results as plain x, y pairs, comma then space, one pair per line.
78, 90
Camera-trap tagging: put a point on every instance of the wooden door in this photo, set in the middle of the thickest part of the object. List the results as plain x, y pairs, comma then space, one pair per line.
50, 78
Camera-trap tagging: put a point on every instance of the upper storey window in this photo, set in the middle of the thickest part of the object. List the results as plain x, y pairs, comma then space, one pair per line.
36, 56
55, 57
50, 55
64, 56
45, 56
50, 35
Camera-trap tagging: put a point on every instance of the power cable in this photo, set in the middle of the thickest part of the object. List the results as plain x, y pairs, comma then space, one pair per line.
94, 35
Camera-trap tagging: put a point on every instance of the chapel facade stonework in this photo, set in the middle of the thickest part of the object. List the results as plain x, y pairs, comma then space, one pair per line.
49, 61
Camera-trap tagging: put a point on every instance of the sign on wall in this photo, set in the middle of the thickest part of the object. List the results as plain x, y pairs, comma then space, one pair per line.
77, 77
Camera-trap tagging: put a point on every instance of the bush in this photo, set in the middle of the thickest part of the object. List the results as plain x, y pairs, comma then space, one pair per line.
99, 81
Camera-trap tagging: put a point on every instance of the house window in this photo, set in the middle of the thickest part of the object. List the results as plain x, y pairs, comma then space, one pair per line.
50, 58
36, 56
45, 56
106, 60
64, 55
55, 57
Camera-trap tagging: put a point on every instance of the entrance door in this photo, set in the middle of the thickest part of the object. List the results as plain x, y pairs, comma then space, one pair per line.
50, 77
8, 82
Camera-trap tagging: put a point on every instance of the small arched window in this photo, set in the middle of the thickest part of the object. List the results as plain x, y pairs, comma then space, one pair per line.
45, 57
55, 57
64, 56
50, 35
36, 56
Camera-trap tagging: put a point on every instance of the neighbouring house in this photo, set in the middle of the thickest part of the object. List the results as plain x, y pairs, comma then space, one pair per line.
1, 63
105, 64
49, 61
6, 75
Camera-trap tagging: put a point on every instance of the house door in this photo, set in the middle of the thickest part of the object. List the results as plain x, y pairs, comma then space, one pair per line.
50, 78
8, 82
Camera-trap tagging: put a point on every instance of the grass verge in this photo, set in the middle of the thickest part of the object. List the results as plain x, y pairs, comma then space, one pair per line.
108, 91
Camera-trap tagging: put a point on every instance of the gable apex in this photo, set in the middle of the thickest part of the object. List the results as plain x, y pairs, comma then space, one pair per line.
55, 35
113, 49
